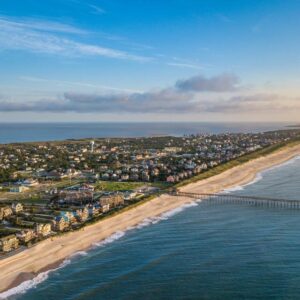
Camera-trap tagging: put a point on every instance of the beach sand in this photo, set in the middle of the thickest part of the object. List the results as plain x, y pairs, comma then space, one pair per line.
51, 252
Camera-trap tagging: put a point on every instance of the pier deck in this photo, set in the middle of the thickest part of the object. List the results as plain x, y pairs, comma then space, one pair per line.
251, 200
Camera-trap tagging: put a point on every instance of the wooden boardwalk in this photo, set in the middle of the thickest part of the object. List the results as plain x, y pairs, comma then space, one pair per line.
250, 200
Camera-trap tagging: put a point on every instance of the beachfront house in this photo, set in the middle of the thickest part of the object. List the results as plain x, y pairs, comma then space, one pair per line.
104, 208
60, 223
43, 229
94, 210
26, 235
82, 214
9, 243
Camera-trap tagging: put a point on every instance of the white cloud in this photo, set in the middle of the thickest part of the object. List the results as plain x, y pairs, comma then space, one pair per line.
40, 25
41, 38
194, 95
185, 65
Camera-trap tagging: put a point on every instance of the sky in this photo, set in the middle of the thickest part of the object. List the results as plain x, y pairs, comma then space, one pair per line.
149, 60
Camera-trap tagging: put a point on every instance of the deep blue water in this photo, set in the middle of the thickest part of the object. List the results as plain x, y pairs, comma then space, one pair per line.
27, 132
225, 251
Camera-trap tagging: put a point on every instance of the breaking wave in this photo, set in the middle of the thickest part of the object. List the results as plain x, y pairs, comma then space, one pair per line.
115, 236
41, 277
32, 283
259, 176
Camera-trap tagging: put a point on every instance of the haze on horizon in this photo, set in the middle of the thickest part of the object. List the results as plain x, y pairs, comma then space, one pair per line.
142, 60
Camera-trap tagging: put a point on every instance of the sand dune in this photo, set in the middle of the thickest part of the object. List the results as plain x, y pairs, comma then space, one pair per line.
49, 253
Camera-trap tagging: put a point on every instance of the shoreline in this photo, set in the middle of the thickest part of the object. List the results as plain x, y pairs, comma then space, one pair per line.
49, 254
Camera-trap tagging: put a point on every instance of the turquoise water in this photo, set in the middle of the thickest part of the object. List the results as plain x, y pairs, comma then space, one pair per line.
225, 251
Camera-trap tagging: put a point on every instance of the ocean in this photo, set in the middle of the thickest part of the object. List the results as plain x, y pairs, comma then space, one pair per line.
198, 251
29, 132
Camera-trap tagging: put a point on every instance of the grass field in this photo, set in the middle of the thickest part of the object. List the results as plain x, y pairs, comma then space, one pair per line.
113, 186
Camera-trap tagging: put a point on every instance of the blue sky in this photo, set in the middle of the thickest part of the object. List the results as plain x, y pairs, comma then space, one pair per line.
113, 60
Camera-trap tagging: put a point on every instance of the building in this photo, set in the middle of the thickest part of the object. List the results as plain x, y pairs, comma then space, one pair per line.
82, 214
17, 207
43, 229
94, 210
5, 212
26, 235
104, 208
60, 223
30, 182
18, 189
9, 243
113, 200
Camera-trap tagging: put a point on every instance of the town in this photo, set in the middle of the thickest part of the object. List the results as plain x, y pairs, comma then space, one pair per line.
49, 188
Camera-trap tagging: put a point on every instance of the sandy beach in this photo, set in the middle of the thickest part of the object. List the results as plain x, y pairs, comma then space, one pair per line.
50, 253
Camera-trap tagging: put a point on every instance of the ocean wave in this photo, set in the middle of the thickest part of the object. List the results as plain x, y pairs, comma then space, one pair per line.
259, 176
41, 277
79, 253
179, 209
115, 236
286, 163
32, 283
164, 216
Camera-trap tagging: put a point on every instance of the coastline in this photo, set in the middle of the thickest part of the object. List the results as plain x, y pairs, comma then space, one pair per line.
50, 253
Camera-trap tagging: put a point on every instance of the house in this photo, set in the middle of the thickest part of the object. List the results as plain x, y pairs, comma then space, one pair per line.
124, 177
170, 179
26, 235
68, 215
129, 195
104, 208
43, 229
75, 197
82, 214
86, 187
30, 182
9, 243
17, 207
60, 223
5, 212
113, 200
55, 175
18, 189
94, 210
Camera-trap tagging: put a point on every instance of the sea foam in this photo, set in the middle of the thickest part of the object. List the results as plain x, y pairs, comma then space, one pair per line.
41, 277
115, 236
32, 283
259, 176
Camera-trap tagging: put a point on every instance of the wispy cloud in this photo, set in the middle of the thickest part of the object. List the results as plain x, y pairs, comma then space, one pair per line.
97, 9
185, 65
79, 84
41, 37
40, 25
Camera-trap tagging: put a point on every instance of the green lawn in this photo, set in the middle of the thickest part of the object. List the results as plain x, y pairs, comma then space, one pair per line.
112, 186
